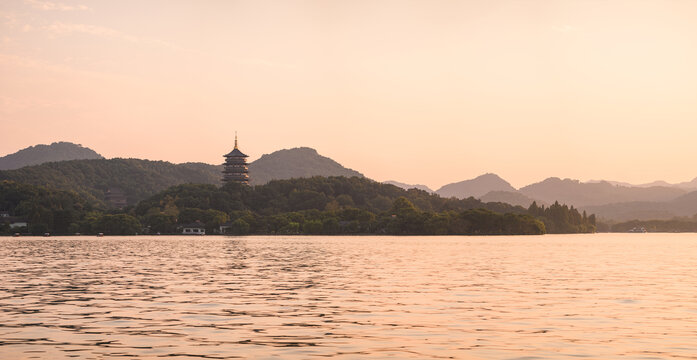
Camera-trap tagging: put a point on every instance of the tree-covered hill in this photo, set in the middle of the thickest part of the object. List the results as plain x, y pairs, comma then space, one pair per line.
137, 178
39, 154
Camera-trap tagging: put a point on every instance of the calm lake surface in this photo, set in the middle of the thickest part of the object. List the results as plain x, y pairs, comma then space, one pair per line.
604, 296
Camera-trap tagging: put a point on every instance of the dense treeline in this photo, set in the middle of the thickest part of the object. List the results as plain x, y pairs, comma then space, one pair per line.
320, 193
339, 205
58, 212
44, 209
334, 205
674, 225
318, 205
562, 219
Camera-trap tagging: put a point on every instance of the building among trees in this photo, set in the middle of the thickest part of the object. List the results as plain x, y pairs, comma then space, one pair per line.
116, 198
195, 228
236, 167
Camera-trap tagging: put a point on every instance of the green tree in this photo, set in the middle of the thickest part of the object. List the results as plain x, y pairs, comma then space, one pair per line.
119, 224
239, 227
313, 227
160, 223
330, 226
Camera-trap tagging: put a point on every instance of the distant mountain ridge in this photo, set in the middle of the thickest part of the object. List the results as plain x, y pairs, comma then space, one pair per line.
682, 206
582, 194
295, 163
687, 185
476, 187
510, 197
409, 186
609, 200
39, 154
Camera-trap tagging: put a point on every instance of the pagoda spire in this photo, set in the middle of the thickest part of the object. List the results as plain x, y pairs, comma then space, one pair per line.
235, 139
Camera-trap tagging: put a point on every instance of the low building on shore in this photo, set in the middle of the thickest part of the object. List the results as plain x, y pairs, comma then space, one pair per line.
18, 223
14, 222
195, 228
224, 227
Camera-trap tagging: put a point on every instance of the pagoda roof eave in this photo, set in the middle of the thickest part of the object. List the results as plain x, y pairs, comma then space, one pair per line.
235, 153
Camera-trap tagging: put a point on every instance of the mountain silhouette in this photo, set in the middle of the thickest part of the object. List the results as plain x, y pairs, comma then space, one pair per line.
476, 187
39, 154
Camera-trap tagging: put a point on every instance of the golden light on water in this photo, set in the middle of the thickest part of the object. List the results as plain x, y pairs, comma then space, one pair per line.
606, 296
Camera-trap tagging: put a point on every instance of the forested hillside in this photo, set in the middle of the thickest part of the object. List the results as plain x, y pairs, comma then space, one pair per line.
92, 178
139, 179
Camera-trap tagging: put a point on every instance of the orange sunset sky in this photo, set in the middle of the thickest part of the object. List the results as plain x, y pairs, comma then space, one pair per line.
427, 92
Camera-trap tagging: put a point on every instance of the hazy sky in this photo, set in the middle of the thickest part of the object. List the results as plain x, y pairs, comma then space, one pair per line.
425, 92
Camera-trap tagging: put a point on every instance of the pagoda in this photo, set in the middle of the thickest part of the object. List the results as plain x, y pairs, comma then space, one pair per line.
236, 166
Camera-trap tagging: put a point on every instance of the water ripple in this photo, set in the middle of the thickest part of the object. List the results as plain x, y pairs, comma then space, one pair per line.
525, 298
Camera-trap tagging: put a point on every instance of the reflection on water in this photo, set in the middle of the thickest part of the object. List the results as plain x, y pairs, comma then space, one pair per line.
551, 297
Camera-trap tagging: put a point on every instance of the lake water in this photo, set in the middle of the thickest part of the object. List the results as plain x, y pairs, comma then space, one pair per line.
604, 296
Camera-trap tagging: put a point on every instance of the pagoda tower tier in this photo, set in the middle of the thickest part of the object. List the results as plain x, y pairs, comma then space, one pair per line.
236, 166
